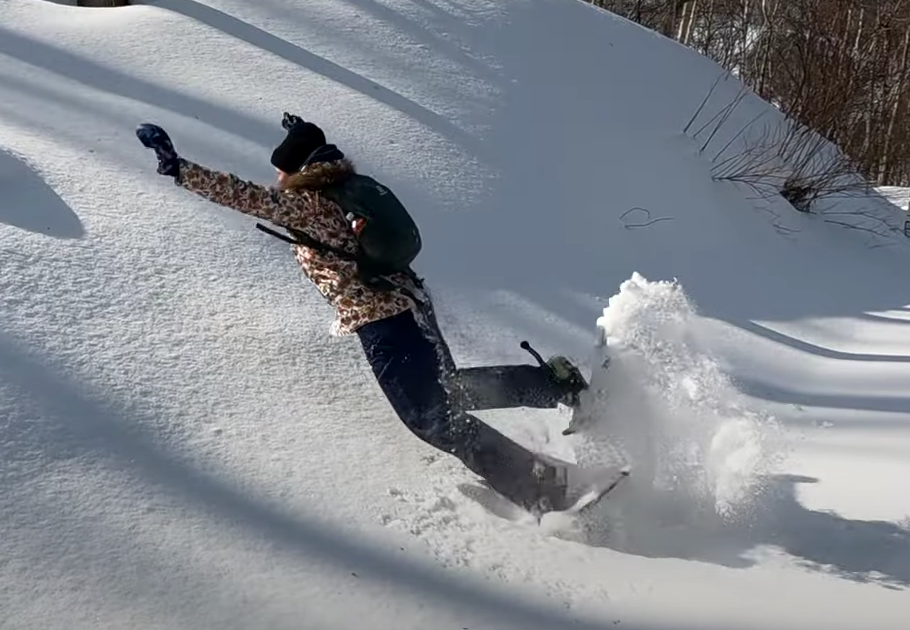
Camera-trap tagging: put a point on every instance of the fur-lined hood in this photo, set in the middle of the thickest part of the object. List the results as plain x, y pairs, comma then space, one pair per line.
326, 166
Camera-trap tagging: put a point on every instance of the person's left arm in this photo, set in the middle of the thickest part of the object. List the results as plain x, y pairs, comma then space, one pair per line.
225, 189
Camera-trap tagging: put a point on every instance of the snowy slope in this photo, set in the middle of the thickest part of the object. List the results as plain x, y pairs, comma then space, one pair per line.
898, 195
183, 445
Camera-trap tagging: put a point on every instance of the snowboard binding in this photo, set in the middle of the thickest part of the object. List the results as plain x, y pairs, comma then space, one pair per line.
566, 375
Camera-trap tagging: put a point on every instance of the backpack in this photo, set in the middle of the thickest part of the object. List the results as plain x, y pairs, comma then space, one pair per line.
387, 237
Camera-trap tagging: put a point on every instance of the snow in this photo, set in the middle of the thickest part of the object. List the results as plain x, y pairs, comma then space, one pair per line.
898, 195
182, 444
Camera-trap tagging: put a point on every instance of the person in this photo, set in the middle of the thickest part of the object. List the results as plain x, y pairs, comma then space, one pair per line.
395, 323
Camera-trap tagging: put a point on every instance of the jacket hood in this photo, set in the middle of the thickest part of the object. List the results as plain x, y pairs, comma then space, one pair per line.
325, 166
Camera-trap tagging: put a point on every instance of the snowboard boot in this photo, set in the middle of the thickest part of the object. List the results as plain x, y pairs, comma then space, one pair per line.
568, 378
564, 374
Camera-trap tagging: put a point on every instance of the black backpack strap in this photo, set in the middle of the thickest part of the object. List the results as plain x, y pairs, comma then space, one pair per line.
370, 277
302, 238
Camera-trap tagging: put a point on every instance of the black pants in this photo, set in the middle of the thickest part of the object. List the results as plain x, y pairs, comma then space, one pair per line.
433, 404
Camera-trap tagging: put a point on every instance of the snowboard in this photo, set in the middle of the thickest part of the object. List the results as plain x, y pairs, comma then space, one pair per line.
591, 400
597, 490
586, 486
588, 483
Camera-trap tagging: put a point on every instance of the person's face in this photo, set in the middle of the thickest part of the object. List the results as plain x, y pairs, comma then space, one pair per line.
281, 176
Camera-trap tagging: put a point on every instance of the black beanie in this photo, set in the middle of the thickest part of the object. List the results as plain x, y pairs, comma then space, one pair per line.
301, 141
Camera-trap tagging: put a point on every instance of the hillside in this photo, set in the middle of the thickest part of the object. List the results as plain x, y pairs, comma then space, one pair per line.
182, 444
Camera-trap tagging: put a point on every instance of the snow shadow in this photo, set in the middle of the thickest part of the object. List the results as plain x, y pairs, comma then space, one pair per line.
56, 421
819, 351
107, 79
787, 396
275, 45
757, 387
29, 203
440, 20
875, 552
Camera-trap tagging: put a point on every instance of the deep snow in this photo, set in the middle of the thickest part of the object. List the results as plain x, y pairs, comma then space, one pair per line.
183, 445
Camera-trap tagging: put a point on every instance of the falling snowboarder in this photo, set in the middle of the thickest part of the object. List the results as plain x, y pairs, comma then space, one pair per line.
324, 205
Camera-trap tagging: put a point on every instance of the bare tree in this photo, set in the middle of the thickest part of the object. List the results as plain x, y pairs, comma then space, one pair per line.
687, 21
839, 67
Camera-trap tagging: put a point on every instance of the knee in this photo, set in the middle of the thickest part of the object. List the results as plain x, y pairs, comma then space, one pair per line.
445, 428
428, 422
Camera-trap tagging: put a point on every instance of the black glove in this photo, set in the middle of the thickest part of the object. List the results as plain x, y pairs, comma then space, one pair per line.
289, 121
155, 138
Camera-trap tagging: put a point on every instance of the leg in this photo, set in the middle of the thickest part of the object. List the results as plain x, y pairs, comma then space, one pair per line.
406, 366
506, 386
493, 387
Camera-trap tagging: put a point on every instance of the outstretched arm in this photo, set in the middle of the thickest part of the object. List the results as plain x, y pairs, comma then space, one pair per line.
224, 189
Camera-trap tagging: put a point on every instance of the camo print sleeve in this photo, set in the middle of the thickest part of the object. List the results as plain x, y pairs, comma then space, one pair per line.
355, 302
226, 189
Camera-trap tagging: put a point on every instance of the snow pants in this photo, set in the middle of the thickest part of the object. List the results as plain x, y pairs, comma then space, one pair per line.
434, 405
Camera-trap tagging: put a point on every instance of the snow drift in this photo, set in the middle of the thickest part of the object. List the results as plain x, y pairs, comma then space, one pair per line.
669, 407
700, 452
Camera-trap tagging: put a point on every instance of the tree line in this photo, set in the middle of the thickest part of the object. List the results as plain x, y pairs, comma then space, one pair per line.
840, 67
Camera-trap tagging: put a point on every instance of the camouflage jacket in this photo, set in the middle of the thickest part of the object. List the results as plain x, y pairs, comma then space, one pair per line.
298, 205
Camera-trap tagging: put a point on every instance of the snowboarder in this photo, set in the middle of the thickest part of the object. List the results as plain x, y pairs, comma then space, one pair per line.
394, 321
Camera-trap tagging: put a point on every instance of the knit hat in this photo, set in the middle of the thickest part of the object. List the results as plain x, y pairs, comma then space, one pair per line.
303, 138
